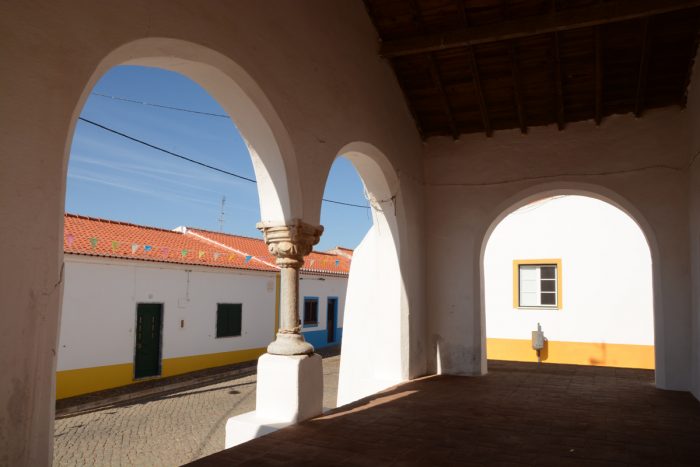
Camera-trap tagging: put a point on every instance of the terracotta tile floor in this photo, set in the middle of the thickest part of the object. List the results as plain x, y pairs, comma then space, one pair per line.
518, 414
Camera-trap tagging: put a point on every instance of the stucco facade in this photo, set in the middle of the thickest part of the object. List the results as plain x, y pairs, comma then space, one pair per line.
603, 311
97, 339
304, 84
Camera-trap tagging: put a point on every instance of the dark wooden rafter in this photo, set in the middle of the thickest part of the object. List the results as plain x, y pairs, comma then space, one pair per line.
577, 60
462, 9
558, 84
598, 75
517, 87
435, 73
476, 77
437, 80
691, 62
409, 103
564, 20
478, 89
643, 69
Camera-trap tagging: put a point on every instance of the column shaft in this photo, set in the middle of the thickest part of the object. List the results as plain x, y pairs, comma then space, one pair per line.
289, 300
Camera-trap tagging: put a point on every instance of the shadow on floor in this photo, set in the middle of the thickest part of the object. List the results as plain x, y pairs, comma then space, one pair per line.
517, 414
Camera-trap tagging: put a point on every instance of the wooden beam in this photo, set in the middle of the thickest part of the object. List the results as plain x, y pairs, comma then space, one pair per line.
411, 109
598, 76
476, 78
558, 82
564, 20
643, 69
691, 62
434, 71
463, 12
437, 80
517, 87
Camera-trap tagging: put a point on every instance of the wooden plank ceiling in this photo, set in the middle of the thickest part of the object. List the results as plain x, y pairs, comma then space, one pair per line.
469, 66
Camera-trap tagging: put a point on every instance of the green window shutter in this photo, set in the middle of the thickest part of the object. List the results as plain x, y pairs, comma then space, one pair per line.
229, 319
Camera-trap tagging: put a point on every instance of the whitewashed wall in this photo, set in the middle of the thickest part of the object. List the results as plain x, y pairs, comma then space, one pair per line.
99, 309
313, 286
372, 343
606, 273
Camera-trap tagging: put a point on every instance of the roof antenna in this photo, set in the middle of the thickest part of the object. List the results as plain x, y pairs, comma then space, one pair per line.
221, 217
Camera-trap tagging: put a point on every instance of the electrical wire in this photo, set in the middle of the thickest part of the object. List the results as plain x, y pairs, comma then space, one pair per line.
193, 161
157, 148
160, 106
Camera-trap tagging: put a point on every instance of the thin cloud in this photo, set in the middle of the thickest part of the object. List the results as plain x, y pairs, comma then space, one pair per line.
168, 196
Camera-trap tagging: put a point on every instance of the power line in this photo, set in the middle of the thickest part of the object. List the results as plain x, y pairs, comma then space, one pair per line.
160, 106
157, 148
202, 164
345, 204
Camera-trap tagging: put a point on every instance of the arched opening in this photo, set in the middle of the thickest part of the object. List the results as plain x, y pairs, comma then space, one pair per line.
237, 93
581, 264
167, 281
373, 355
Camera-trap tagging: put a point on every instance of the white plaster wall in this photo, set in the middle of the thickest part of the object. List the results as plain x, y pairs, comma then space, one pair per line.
694, 213
311, 286
317, 78
638, 164
371, 358
606, 273
101, 295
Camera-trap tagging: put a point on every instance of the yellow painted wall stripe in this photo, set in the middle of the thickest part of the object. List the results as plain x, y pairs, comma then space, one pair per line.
85, 380
576, 353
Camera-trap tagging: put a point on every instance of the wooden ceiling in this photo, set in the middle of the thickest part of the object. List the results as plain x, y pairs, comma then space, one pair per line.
469, 66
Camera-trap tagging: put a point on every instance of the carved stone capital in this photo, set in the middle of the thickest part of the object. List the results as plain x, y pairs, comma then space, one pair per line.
290, 243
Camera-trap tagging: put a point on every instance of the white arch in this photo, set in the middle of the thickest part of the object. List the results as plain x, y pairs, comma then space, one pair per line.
536, 192
375, 349
270, 146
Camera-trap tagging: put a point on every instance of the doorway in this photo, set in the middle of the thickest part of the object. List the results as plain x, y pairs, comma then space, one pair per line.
331, 317
149, 319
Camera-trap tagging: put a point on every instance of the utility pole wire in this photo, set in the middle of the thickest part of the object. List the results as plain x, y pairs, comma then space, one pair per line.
160, 106
202, 164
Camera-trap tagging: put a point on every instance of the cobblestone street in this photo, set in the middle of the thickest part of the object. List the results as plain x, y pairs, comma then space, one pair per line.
164, 431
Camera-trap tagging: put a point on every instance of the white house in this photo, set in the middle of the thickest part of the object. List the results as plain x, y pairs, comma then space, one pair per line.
144, 303
582, 269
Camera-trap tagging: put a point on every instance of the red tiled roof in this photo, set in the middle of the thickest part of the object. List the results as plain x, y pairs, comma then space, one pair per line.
101, 237
316, 262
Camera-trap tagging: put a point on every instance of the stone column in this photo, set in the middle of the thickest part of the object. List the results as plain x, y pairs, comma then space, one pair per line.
290, 244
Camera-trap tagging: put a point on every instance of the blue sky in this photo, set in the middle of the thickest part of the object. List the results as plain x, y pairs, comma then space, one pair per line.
114, 178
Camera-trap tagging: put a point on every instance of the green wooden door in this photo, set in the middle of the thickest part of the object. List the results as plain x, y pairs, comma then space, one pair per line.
148, 336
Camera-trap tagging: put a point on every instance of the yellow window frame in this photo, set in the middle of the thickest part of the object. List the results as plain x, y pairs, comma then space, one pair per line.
537, 262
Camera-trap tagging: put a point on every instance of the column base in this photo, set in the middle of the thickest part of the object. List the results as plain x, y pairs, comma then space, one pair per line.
289, 390
290, 344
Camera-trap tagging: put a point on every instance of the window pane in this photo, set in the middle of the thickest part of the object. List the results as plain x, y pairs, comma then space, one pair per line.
548, 272
310, 311
528, 272
529, 299
548, 298
548, 286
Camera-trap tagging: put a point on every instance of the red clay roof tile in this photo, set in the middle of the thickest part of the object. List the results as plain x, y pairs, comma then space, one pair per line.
101, 237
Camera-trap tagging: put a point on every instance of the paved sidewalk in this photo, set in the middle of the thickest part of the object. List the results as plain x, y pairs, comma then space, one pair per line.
167, 430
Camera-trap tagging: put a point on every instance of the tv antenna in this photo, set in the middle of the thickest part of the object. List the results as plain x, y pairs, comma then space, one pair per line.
221, 216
